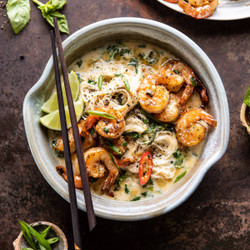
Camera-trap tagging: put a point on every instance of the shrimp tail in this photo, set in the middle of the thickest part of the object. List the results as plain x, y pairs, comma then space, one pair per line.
109, 181
186, 94
201, 89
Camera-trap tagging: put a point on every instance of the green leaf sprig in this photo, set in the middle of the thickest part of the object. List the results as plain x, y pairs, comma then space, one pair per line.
49, 11
36, 239
18, 12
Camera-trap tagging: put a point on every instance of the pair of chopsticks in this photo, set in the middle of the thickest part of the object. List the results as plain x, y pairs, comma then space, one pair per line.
56, 39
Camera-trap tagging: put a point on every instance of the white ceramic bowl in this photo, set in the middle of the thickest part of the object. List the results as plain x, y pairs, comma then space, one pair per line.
178, 44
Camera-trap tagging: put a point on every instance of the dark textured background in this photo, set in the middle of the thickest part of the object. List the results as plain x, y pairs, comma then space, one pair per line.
216, 216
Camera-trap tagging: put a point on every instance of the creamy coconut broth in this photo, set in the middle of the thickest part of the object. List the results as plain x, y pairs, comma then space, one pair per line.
121, 65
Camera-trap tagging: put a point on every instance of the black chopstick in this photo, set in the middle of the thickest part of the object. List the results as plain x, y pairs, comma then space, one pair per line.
71, 186
77, 139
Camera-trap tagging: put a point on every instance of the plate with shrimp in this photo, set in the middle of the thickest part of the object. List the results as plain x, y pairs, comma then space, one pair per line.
220, 10
151, 124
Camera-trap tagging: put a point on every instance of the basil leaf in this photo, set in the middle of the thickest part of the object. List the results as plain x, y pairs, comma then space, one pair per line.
180, 176
247, 97
18, 12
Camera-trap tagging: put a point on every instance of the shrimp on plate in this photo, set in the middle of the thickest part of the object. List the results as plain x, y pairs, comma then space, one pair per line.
188, 131
171, 112
152, 96
198, 9
173, 74
88, 140
98, 161
108, 128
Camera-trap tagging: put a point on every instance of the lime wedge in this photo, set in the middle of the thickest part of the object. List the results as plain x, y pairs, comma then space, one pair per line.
52, 104
52, 120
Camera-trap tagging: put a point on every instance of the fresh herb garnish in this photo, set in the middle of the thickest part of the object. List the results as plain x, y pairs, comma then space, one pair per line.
124, 144
136, 198
92, 132
120, 179
115, 51
179, 157
114, 161
176, 71
18, 12
117, 75
113, 147
193, 153
146, 121
180, 176
126, 189
193, 81
144, 193
247, 97
106, 130
90, 81
49, 11
134, 62
126, 83
100, 82
100, 113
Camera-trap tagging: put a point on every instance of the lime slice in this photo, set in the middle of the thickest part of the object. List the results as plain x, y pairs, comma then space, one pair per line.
52, 104
52, 120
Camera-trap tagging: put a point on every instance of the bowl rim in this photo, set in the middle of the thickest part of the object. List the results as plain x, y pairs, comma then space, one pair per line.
224, 103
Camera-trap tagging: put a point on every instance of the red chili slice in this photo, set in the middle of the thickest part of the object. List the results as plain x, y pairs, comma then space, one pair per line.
145, 167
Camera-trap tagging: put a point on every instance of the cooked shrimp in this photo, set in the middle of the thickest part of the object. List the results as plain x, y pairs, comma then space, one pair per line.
108, 128
88, 140
171, 112
152, 97
77, 179
96, 160
198, 8
174, 73
188, 131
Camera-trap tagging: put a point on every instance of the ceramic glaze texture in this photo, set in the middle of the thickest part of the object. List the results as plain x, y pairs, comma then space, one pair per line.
179, 45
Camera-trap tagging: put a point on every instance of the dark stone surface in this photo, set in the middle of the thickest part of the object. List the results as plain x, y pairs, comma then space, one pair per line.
216, 216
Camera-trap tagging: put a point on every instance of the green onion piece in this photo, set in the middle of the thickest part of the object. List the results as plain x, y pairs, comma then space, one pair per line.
100, 82
39, 238
176, 71
126, 83
106, 130
144, 193
53, 240
27, 235
45, 232
180, 176
126, 189
136, 198
100, 113
41, 247
27, 248
154, 119
193, 81
113, 160
247, 97
124, 144
115, 149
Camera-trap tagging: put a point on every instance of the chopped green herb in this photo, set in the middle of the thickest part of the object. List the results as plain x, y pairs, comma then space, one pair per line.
247, 97
92, 132
117, 75
100, 82
134, 62
193, 153
114, 161
106, 130
136, 198
115, 51
113, 147
180, 176
144, 194
134, 135
179, 157
146, 121
193, 81
176, 71
126, 189
79, 63
126, 83
124, 144
90, 81
120, 179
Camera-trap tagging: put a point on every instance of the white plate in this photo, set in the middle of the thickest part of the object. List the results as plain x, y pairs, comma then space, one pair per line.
227, 9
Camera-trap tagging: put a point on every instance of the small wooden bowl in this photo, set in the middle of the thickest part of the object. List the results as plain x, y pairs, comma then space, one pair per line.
55, 231
245, 116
